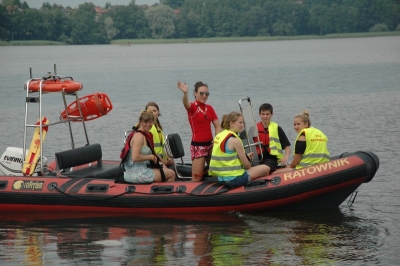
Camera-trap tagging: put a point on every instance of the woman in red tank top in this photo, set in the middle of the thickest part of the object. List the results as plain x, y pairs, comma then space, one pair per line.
200, 116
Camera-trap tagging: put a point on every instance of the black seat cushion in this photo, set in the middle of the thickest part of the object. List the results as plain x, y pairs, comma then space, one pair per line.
102, 171
85, 155
78, 156
173, 146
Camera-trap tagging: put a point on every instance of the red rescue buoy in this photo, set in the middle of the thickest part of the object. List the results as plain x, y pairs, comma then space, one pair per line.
93, 106
54, 85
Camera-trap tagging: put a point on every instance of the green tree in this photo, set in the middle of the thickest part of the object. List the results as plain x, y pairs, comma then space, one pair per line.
283, 29
130, 22
255, 21
55, 23
321, 19
26, 25
379, 28
373, 12
46, 5
161, 21
33, 24
85, 30
194, 25
7, 3
111, 30
345, 18
229, 22
172, 3
193, 18
299, 17
5, 23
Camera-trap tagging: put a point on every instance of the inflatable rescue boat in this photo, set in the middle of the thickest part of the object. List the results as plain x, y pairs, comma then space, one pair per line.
80, 180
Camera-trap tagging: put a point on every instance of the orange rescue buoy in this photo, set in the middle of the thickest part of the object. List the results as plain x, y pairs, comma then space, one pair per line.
93, 106
53, 85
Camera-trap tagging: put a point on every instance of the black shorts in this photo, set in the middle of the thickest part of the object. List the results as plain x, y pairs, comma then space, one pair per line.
272, 163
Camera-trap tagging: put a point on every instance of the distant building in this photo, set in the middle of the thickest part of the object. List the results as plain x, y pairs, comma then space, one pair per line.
66, 11
99, 12
12, 9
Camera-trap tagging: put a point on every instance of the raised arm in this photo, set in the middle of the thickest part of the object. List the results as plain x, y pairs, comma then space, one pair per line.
185, 98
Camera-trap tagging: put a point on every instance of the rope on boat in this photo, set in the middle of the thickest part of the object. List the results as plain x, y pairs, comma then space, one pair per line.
75, 197
128, 190
131, 192
352, 198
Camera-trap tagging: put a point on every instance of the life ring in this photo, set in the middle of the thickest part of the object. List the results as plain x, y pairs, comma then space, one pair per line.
93, 106
54, 85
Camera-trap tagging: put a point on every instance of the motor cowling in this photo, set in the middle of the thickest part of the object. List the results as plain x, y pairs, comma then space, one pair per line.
11, 162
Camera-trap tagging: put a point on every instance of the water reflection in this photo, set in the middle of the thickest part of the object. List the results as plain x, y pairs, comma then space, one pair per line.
281, 238
323, 237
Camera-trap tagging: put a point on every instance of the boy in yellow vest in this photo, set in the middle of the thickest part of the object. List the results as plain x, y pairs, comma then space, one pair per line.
275, 144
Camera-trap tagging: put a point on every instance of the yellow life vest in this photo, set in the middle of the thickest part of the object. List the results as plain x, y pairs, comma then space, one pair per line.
316, 147
274, 143
222, 163
158, 139
275, 146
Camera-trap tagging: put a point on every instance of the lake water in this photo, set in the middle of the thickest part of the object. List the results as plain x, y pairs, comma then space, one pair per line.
351, 87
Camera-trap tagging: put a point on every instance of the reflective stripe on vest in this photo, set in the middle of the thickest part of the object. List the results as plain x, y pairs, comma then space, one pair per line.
316, 148
275, 147
221, 163
158, 139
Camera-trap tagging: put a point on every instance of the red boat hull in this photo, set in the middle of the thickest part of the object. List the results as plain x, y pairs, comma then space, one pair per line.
320, 186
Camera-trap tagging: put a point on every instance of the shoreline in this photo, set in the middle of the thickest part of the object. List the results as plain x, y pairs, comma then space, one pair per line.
128, 42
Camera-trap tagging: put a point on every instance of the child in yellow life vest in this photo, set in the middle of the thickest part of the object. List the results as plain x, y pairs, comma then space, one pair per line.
158, 135
310, 146
275, 144
228, 160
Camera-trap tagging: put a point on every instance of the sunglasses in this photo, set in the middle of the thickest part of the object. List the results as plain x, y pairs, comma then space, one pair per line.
145, 111
202, 93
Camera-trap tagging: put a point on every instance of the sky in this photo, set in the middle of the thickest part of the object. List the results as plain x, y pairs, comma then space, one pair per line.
75, 3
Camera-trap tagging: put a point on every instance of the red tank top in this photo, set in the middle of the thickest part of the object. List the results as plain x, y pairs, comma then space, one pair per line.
200, 117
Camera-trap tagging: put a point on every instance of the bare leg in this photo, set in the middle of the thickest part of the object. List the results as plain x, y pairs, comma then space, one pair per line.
169, 175
258, 171
198, 168
157, 175
283, 170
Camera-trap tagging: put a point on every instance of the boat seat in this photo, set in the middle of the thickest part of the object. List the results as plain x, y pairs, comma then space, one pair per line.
86, 155
250, 146
174, 148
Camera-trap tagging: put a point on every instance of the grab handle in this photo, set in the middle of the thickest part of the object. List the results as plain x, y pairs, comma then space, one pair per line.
97, 188
162, 189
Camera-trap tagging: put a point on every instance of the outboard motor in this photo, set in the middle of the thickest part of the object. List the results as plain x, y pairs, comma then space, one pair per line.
11, 162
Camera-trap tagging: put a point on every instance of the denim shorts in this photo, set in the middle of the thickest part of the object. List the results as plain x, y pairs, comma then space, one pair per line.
271, 163
238, 181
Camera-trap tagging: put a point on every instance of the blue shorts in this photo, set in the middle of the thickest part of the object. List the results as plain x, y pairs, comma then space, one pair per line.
238, 181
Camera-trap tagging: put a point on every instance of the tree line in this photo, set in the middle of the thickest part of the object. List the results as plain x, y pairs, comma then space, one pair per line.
195, 19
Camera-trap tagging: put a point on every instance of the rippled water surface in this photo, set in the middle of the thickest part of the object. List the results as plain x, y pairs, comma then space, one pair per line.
351, 88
